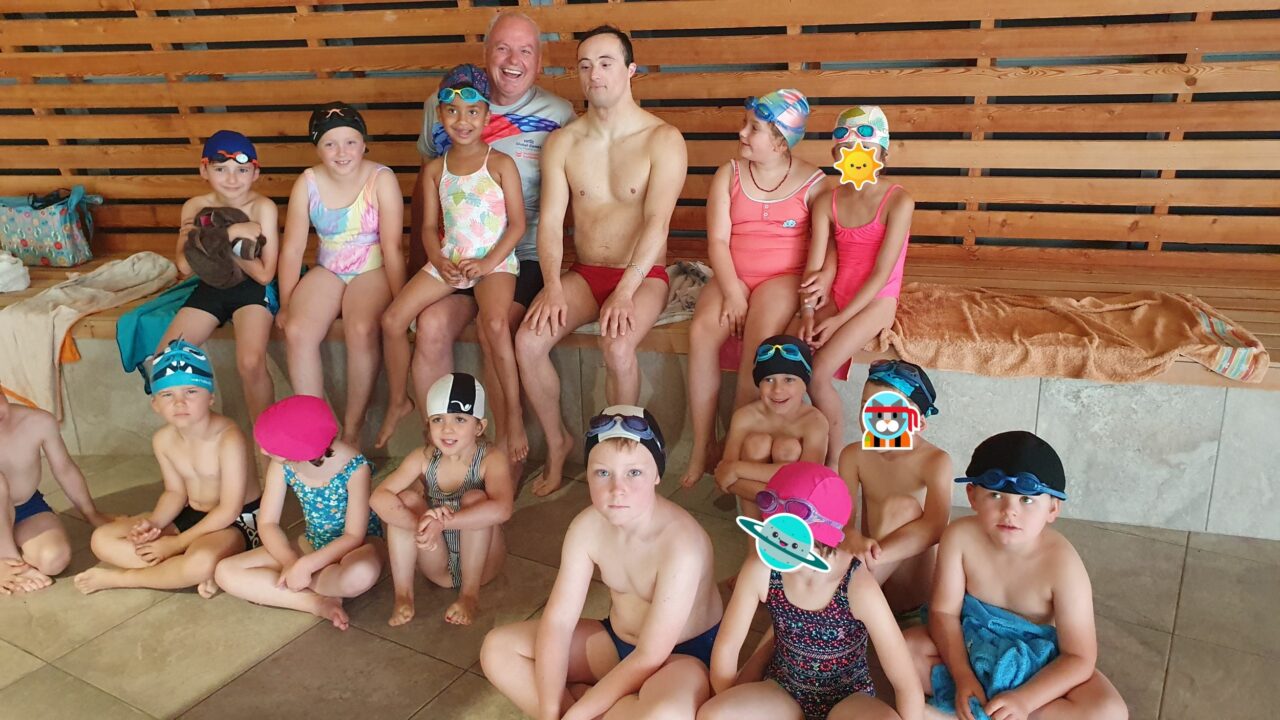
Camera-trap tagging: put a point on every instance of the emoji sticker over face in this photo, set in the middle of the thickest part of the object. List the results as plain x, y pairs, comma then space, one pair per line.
888, 421
858, 165
784, 542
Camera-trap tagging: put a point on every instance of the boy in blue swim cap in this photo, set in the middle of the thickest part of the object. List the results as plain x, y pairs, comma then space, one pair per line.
209, 508
905, 493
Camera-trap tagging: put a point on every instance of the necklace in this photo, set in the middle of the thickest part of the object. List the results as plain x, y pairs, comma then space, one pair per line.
752, 173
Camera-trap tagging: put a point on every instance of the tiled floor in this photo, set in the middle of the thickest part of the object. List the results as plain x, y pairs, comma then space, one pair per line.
1186, 627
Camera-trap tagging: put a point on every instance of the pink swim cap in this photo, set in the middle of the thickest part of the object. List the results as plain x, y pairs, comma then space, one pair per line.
299, 427
801, 488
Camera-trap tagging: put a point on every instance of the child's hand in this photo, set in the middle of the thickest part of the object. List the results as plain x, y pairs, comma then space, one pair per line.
1007, 706
823, 332
473, 269
280, 317
733, 313
866, 549
814, 289
98, 519
429, 531
726, 474
968, 688
450, 272
143, 532
249, 230
159, 550
296, 577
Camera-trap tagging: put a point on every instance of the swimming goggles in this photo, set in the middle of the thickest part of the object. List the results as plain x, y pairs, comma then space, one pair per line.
468, 94
864, 131
789, 351
762, 111
240, 157
904, 378
636, 427
769, 502
1023, 483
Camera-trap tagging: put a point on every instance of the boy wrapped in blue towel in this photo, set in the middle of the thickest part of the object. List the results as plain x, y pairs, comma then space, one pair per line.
1010, 631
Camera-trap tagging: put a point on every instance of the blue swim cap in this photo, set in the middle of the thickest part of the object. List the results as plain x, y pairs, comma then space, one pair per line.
179, 365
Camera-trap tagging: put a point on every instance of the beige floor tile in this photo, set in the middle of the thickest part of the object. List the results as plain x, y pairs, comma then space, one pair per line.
513, 596
58, 619
536, 530
1211, 681
50, 694
1263, 551
183, 649
1134, 578
470, 697
329, 673
109, 474
1230, 601
15, 663
704, 498
1134, 658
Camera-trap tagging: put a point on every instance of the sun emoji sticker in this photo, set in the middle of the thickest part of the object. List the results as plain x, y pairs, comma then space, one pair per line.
858, 166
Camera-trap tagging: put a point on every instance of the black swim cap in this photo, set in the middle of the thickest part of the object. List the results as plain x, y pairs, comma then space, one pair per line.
777, 362
334, 115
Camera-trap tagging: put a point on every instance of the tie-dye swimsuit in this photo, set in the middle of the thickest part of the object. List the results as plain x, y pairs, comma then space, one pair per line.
349, 238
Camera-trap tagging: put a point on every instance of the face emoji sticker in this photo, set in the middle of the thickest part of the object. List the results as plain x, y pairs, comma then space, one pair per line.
858, 166
784, 542
888, 421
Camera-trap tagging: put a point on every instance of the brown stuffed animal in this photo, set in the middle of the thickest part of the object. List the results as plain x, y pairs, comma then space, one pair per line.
209, 249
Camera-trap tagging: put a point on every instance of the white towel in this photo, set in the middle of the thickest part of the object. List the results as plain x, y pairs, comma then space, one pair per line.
32, 330
13, 274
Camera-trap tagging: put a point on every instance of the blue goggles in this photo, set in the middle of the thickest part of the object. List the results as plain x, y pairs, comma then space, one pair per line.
762, 111
789, 351
866, 132
903, 378
1023, 483
635, 427
468, 94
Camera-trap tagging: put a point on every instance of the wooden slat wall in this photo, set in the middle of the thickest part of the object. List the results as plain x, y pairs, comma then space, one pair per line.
1139, 125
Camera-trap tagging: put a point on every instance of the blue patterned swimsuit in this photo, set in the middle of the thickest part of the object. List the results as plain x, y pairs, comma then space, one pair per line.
820, 657
325, 508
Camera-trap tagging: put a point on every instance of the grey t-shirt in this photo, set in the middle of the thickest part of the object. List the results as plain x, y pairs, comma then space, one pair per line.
519, 130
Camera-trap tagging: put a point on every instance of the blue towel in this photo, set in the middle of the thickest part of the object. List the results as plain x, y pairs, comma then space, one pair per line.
140, 330
1005, 650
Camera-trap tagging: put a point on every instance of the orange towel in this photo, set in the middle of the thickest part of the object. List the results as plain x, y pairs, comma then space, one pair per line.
1127, 338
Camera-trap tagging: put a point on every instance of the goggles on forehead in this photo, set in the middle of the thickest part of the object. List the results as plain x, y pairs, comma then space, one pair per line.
468, 94
789, 351
894, 372
239, 157
637, 427
769, 502
762, 111
1023, 483
863, 132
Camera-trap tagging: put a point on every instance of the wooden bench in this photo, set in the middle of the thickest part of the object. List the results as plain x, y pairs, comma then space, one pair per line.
1063, 147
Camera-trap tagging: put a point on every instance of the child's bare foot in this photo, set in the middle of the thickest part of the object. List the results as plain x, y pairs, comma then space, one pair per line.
95, 579
517, 442
553, 474
395, 413
462, 611
402, 612
18, 577
698, 463
330, 609
207, 589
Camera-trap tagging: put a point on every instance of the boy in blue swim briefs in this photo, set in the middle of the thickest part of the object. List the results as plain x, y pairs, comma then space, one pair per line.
649, 657
1010, 631
208, 509
33, 544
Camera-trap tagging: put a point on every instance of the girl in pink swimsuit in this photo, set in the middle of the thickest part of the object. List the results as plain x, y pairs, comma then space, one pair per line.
863, 276
757, 240
356, 208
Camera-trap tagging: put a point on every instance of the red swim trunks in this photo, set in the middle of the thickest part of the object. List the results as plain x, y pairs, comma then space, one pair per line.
603, 280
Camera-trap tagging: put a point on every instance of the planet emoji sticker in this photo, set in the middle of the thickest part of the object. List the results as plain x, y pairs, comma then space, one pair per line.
784, 542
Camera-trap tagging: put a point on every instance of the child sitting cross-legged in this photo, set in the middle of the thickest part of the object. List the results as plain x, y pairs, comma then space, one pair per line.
776, 429
1010, 630
209, 507
341, 551
822, 621
455, 536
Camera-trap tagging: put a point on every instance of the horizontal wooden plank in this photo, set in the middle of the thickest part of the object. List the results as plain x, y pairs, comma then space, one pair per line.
1240, 36
1152, 78
1176, 192
661, 15
1197, 229
1260, 115
1260, 155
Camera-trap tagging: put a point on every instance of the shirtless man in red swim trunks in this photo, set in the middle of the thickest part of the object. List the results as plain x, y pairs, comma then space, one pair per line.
623, 168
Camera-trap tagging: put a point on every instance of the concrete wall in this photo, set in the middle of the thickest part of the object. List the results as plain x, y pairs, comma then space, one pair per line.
1170, 456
